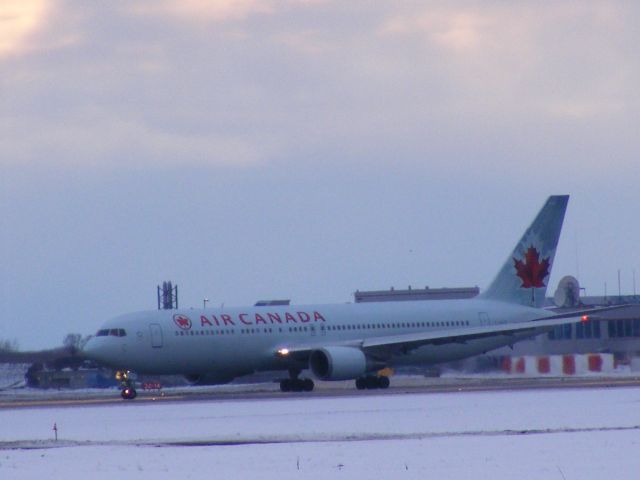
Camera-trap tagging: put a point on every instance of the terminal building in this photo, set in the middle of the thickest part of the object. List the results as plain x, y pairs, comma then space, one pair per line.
620, 335
412, 294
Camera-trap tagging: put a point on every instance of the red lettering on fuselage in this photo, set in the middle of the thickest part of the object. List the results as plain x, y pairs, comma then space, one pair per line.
256, 318
226, 319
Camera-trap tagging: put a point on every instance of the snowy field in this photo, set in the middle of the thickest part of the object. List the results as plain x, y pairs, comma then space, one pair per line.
543, 434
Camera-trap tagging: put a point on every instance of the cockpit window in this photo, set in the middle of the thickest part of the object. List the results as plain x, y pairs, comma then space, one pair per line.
114, 332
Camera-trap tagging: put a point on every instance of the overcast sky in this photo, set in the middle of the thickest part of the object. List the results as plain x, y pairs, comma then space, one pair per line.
250, 149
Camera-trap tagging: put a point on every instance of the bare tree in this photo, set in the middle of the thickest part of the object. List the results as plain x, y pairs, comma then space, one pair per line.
8, 345
75, 341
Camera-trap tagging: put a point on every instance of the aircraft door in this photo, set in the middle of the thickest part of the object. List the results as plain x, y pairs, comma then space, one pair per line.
484, 318
156, 335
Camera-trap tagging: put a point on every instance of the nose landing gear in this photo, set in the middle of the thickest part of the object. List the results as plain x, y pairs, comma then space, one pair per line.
127, 389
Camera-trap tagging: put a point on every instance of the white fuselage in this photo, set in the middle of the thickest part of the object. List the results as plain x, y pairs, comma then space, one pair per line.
231, 342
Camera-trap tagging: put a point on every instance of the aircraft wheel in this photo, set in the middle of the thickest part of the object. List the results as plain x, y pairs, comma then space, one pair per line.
361, 383
129, 393
383, 382
285, 385
372, 383
307, 385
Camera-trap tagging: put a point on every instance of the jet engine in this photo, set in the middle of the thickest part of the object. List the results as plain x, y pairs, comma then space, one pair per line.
338, 363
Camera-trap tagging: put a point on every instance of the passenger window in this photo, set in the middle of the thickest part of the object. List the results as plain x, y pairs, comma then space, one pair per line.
636, 327
628, 329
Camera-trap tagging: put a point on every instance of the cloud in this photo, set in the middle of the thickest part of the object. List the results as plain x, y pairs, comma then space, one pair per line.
117, 143
18, 20
559, 61
292, 82
203, 10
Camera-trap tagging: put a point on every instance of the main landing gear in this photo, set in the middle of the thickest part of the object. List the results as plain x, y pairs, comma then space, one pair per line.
295, 384
371, 382
127, 390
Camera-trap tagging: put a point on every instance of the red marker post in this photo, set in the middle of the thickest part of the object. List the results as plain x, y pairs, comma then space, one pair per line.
55, 430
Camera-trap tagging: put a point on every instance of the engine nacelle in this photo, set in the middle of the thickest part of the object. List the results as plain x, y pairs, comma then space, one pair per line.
337, 363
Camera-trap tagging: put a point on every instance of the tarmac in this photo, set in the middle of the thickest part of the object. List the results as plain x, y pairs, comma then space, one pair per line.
33, 398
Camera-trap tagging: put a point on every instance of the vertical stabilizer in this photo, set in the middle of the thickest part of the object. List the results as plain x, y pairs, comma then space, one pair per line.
523, 277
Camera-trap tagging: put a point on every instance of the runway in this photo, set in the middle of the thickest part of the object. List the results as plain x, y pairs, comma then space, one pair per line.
269, 391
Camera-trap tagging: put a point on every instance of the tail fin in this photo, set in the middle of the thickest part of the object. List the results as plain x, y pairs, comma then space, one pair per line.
523, 277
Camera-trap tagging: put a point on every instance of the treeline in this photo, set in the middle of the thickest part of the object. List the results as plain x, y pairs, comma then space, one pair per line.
73, 342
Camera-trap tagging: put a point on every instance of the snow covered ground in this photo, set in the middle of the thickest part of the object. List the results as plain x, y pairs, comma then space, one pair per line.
542, 434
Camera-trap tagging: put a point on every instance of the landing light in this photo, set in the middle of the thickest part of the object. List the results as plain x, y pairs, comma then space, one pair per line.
283, 352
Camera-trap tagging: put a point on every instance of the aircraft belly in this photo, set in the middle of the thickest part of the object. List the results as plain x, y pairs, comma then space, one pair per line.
183, 356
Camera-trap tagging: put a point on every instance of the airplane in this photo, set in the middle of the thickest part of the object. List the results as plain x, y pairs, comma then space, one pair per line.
352, 341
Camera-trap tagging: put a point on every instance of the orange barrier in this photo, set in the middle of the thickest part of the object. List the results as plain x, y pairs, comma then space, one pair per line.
544, 365
559, 364
568, 364
595, 363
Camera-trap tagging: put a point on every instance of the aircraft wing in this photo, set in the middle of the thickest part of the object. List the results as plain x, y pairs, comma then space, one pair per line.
402, 344
406, 342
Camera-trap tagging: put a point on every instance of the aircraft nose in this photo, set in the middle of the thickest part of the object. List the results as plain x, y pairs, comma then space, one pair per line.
89, 348
96, 350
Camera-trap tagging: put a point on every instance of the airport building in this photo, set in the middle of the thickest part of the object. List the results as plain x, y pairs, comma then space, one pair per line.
413, 294
620, 335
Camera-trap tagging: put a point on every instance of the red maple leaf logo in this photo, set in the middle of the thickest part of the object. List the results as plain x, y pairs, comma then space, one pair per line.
182, 321
532, 271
